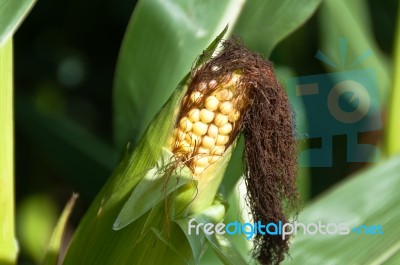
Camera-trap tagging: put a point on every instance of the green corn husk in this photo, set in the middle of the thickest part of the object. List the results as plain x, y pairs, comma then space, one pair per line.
125, 227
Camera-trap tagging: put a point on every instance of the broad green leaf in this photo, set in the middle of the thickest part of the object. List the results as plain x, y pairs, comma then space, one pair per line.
394, 260
12, 12
393, 129
369, 198
162, 41
53, 250
152, 189
264, 23
361, 50
8, 249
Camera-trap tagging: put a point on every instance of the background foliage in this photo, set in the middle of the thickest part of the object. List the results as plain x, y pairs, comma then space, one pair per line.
66, 56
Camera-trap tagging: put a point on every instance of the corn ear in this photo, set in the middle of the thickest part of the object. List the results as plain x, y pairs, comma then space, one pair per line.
144, 235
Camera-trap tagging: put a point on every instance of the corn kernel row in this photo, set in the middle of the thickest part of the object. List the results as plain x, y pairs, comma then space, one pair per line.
203, 131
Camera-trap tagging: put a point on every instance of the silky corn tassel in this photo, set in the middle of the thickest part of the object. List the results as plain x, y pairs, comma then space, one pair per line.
237, 91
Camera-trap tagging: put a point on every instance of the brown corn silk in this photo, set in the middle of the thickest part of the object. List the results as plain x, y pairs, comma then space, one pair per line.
261, 110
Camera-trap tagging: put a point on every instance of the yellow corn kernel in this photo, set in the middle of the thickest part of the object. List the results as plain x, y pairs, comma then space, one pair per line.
234, 116
194, 115
226, 107
225, 129
201, 161
208, 142
203, 150
222, 140
200, 128
206, 115
220, 119
224, 94
212, 130
212, 103
218, 150
185, 124
185, 147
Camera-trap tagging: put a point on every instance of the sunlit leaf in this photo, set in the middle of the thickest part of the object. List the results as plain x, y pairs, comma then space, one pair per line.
12, 12
162, 41
368, 198
152, 189
264, 23
393, 129
8, 251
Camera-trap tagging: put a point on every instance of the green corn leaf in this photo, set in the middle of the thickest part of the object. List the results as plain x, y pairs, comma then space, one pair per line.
171, 244
155, 55
393, 128
352, 25
394, 260
368, 198
264, 23
8, 249
12, 12
152, 189
54, 247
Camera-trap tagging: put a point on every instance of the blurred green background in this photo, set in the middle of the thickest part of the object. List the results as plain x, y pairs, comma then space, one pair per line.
65, 56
